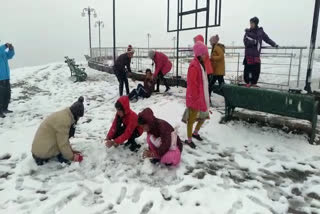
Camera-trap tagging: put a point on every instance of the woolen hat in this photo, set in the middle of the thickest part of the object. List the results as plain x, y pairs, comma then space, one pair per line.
77, 108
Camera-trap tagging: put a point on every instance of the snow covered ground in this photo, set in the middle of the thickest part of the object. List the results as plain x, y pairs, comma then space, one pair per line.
240, 168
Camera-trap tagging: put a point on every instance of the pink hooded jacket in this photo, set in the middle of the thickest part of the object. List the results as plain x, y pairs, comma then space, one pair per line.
162, 62
195, 87
207, 63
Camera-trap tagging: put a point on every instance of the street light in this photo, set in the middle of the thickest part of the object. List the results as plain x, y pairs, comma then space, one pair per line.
88, 11
149, 36
99, 24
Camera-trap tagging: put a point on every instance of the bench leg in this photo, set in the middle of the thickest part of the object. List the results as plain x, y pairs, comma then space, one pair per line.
314, 123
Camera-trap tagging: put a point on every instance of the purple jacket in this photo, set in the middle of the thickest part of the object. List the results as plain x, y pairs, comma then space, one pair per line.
253, 41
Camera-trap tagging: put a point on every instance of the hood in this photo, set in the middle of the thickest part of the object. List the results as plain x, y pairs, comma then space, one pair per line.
124, 101
250, 30
148, 116
199, 38
200, 49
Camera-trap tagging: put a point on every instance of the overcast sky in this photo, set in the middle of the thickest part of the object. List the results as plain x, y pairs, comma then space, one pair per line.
44, 31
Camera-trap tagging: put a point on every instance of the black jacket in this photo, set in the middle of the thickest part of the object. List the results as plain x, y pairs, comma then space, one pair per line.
122, 61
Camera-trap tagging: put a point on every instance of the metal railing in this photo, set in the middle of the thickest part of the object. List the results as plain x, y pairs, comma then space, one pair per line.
280, 67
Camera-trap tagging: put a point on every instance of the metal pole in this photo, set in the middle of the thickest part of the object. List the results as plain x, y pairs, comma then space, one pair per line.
100, 39
89, 15
207, 20
290, 68
299, 68
312, 45
177, 50
114, 32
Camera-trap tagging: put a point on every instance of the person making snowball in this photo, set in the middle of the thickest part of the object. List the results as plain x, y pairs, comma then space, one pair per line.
253, 42
121, 69
163, 66
144, 90
6, 53
124, 127
52, 137
164, 144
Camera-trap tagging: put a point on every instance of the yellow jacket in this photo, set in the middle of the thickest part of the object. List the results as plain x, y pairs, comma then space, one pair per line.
217, 59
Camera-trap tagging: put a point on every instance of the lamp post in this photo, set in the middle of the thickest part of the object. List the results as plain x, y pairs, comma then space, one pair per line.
148, 36
88, 11
100, 25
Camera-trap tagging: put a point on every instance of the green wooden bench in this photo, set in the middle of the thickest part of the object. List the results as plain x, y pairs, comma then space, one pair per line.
287, 104
75, 70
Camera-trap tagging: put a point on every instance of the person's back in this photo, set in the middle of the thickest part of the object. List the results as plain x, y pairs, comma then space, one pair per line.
54, 129
218, 59
122, 61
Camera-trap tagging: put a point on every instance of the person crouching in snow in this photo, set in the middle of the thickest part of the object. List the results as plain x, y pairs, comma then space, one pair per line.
197, 93
144, 90
124, 127
164, 144
52, 137
163, 66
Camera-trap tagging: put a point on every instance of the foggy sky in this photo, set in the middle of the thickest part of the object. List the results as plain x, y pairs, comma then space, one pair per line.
45, 31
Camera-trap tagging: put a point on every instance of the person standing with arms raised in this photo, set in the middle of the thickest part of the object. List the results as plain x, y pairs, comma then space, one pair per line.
6, 53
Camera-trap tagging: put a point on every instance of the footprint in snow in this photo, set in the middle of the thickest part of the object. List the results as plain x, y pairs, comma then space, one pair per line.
165, 194
19, 183
185, 188
122, 195
5, 156
136, 194
147, 207
235, 207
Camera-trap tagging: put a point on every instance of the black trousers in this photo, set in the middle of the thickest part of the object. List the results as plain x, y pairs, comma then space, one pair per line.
251, 72
5, 94
219, 78
121, 129
161, 78
59, 158
123, 80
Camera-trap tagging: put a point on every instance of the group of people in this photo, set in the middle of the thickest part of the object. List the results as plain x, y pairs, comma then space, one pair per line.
51, 140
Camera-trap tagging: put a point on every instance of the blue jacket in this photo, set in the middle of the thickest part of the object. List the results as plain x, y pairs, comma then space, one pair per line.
4, 66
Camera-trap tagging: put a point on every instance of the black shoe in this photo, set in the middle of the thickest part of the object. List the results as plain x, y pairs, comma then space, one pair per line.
134, 147
191, 144
128, 143
155, 161
2, 115
7, 111
167, 89
156, 91
197, 137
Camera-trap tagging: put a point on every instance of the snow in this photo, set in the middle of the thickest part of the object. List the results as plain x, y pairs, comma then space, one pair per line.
238, 168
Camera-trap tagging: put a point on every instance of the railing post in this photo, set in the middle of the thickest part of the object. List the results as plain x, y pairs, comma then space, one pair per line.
290, 67
299, 68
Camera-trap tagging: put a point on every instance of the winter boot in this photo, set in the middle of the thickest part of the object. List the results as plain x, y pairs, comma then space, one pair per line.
7, 111
191, 144
167, 89
134, 147
197, 136
2, 115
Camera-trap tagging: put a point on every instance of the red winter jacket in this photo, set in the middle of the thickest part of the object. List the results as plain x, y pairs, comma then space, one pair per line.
162, 62
130, 120
160, 128
195, 94
207, 63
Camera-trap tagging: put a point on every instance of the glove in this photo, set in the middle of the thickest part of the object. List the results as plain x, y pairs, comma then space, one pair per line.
77, 157
276, 46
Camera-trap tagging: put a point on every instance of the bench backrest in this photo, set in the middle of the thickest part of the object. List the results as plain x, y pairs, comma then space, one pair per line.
271, 101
